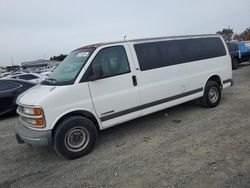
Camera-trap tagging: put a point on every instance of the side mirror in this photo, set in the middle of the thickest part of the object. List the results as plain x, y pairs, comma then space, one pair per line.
97, 72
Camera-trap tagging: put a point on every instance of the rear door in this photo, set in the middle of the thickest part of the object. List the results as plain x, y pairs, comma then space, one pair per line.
115, 95
158, 83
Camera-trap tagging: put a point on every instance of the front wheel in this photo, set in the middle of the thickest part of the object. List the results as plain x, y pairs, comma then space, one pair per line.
74, 137
212, 94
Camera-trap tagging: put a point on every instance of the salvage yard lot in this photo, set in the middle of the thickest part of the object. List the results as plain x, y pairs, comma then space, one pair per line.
184, 146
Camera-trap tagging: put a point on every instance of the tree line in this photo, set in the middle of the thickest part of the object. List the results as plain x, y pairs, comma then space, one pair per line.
59, 57
229, 35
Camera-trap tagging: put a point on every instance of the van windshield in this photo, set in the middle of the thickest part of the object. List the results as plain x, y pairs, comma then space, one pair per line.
69, 68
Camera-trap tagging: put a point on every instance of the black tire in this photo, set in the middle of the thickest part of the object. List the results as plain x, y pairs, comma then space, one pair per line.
212, 94
74, 137
235, 63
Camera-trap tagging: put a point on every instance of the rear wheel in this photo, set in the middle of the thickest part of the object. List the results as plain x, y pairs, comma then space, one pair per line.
212, 94
74, 137
235, 63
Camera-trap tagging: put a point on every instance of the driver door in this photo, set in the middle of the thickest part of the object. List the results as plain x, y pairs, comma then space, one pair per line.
114, 93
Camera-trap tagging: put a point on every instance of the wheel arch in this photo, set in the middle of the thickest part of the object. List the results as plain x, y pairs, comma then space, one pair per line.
235, 57
82, 113
215, 78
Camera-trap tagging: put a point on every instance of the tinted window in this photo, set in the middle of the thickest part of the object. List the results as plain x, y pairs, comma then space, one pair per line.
27, 77
166, 53
232, 47
113, 61
14, 77
148, 55
6, 86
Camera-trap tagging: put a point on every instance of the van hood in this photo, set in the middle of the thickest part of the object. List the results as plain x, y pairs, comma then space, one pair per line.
34, 94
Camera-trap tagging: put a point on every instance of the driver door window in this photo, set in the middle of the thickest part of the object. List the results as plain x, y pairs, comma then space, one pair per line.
112, 60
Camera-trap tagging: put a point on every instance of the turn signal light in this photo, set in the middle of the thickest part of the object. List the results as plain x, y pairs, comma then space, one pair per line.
37, 111
39, 122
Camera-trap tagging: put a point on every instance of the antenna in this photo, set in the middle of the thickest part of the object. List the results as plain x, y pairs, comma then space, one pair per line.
12, 62
124, 37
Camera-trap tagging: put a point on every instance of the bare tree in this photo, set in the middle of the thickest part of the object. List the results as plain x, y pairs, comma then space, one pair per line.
243, 36
227, 34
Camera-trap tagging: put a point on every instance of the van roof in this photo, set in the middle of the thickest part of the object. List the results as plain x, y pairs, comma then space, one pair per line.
147, 39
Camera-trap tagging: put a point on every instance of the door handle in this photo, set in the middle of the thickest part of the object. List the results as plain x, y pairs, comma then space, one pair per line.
134, 80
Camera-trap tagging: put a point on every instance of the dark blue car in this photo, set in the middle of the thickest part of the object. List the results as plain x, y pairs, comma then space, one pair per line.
9, 91
239, 53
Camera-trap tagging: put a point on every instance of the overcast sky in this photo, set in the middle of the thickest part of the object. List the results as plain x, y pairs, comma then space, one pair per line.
30, 29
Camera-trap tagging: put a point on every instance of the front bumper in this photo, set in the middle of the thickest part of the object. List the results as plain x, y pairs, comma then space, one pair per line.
32, 137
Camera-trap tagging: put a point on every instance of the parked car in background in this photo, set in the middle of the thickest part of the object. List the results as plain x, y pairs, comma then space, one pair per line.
32, 77
9, 91
45, 74
6, 74
239, 53
247, 43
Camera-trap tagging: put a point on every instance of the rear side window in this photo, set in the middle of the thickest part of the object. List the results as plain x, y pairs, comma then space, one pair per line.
247, 44
14, 77
27, 77
148, 55
7, 86
232, 47
173, 52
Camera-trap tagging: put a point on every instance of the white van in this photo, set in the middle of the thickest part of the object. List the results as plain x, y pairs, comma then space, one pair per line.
102, 85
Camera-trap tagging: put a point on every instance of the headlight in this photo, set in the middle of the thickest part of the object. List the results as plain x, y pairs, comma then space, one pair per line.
32, 111
31, 116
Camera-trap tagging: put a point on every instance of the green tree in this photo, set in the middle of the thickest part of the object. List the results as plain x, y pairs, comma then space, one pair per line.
227, 34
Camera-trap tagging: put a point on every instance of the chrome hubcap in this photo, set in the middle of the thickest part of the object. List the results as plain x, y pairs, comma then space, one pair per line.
213, 95
76, 139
